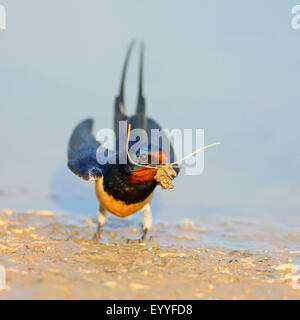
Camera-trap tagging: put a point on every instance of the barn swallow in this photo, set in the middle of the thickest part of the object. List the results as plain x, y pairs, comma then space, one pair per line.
121, 189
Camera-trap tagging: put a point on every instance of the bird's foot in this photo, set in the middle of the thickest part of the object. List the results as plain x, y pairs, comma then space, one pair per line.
143, 238
97, 234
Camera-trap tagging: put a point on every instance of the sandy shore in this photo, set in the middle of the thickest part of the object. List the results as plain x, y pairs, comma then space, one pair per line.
44, 259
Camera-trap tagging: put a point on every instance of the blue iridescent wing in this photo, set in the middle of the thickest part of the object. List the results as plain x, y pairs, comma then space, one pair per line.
82, 152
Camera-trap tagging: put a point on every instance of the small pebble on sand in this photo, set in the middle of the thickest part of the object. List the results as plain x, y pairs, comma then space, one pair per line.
138, 286
45, 213
110, 284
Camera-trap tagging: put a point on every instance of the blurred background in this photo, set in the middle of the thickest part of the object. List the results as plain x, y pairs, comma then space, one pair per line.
229, 67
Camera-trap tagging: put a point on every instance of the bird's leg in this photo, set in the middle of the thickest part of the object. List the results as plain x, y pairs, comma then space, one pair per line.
147, 220
101, 221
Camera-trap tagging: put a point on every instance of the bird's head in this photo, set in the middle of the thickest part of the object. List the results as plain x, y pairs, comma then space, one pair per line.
144, 167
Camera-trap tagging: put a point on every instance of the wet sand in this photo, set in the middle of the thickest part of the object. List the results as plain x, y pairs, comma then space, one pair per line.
45, 258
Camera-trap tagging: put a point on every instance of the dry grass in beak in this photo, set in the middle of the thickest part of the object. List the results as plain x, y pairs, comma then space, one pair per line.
164, 176
165, 172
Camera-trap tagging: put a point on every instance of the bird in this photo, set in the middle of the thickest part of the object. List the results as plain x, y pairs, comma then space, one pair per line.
122, 188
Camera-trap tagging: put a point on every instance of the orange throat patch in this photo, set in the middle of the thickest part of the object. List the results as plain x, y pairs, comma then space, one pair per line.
142, 175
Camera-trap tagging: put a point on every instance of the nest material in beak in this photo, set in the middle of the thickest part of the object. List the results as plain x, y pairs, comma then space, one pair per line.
164, 176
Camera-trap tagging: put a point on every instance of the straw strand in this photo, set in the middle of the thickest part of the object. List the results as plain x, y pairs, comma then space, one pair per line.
161, 164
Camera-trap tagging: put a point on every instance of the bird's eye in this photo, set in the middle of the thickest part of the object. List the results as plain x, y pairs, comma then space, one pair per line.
143, 158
